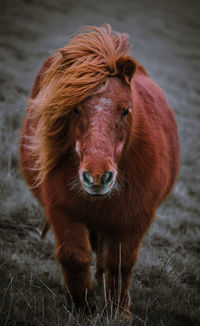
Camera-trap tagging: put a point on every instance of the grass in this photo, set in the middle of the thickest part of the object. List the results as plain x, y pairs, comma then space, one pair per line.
165, 289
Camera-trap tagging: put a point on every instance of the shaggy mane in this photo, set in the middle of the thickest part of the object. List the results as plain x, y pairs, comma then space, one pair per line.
75, 73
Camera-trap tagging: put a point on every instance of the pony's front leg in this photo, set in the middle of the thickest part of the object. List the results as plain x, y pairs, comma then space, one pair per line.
120, 256
73, 252
100, 264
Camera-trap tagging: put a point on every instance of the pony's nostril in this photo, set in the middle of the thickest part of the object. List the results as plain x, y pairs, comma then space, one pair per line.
106, 178
87, 178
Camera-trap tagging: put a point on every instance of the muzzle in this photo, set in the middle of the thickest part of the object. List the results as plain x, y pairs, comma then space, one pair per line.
98, 183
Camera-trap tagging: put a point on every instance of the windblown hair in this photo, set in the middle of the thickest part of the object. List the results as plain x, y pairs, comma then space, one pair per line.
75, 73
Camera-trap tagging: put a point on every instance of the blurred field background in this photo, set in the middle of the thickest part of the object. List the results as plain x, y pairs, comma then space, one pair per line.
165, 38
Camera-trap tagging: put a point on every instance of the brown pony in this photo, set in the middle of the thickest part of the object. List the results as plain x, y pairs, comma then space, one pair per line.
99, 150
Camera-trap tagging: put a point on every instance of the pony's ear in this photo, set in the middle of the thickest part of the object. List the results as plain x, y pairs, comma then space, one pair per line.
126, 67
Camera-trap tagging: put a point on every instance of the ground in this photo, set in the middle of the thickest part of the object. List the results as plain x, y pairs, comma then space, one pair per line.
166, 279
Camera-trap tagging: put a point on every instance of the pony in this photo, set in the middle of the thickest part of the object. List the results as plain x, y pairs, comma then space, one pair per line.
99, 149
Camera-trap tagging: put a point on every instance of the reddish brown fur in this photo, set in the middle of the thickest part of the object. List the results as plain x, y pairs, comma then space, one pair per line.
141, 150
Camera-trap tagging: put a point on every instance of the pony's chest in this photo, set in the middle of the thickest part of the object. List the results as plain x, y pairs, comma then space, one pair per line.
101, 214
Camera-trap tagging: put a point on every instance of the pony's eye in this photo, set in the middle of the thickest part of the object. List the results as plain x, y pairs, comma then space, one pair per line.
125, 113
77, 112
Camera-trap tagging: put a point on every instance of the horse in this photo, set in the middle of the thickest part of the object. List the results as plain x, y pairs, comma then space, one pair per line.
99, 149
